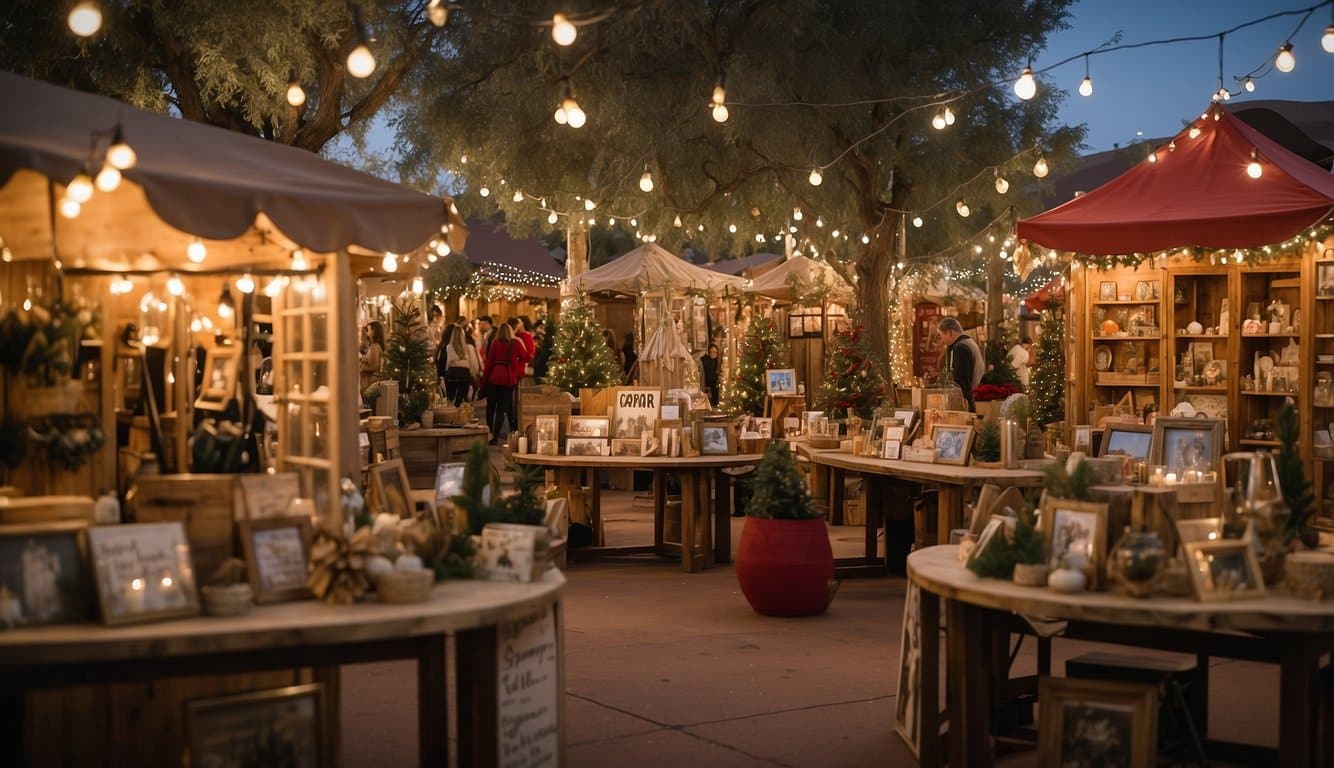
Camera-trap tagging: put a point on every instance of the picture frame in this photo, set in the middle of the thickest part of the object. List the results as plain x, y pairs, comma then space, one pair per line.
1200, 531
1324, 279
716, 439
634, 409
219, 728
448, 481
1180, 444
699, 324
589, 426
953, 443
44, 575
763, 426
986, 537
892, 449
1083, 719
1107, 290
390, 486
268, 495
812, 324
1224, 570
1145, 290
669, 436
218, 385
629, 446
1083, 438
780, 381
911, 418
277, 557
1069, 525
586, 446
143, 571
546, 428
794, 326
1134, 440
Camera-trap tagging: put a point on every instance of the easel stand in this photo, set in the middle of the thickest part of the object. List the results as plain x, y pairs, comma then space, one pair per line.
779, 407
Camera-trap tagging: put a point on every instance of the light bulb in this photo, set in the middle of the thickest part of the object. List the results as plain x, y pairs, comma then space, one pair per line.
562, 31
1253, 168
553, 218
731, 228
69, 207
120, 155
819, 221
1040, 168
85, 19
1153, 157
949, 116
1248, 84
443, 249
917, 221
573, 114
560, 117
390, 263
518, 196
360, 62
589, 204
122, 285
593, 221
299, 262
938, 122
720, 113
1086, 86
296, 95
796, 214
1327, 39
107, 179
80, 188
646, 181
962, 208
1026, 87
418, 286
676, 222
484, 191
196, 251
866, 239
245, 284
1002, 186
1285, 61
175, 287
226, 304
1195, 131
438, 12
815, 178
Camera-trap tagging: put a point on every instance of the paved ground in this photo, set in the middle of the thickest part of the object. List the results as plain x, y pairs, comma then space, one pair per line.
665, 668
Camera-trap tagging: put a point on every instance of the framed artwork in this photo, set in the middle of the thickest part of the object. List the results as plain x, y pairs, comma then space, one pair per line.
1200, 531
44, 576
1083, 438
716, 439
634, 411
794, 327
144, 572
1072, 527
1324, 279
277, 556
589, 426
1180, 444
218, 385
1146, 290
1145, 398
389, 481
269, 495
231, 730
669, 436
448, 481
812, 324
780, 381
546, 428
1224, 570
1107, 290
910, 417
629, 446
586, 446
908, 707
953, 443
892, 449
1097, 722
1135, 440
985, 539
1201, 354
764, 427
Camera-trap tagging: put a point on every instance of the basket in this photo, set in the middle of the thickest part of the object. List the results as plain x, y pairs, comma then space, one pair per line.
1031, 575
229, 600
400, 587
1310, 574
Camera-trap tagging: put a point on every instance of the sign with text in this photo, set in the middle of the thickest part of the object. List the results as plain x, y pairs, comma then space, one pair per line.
634, 412
528, 690
143, 571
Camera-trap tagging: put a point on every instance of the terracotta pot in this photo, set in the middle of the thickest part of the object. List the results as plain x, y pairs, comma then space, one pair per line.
785, 567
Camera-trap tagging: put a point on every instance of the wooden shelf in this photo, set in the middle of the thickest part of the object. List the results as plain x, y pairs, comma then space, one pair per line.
1215, 390
1127, 338
1275, 335
1249, 393
1125, 303
1261, 443
1324, 336
1202, 336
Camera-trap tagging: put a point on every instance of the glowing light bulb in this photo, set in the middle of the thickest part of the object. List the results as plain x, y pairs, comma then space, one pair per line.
560, 117
1248, 84
917, 221
646, 181
719, 93
438, 12
1040, 168
418, 285
819, 221
120, 155
1195, 131
720, 113
589, 204
938, 122
592, 221
85, 19
796, 214
196, 251
299, 260
1026, 87
1002, 186
962, 208
175, 287
866, 239
574, 116
245, 284
518, 196
1327, 39
70, 208
361, 62
122, 285
949, 116
80, 188
296, 95
1253, 168
731, 228
562, 31
553, 218
1285, 61
390, 263
1086, 86
815, 178
484, 191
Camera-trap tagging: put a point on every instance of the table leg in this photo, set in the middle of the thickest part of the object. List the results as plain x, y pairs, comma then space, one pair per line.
837, 489
706, 509
1299, 679
874, 511
929, 751
659, 506
722, 517
595, 508
476, 670
432, 702
968, 679
949, 511
689, 505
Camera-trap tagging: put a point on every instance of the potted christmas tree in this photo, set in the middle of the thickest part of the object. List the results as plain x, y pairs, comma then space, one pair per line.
408, 361
784, 563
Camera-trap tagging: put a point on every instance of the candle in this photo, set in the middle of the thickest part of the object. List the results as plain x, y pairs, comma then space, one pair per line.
1156, 478
1170, 478
523, 444
134, 596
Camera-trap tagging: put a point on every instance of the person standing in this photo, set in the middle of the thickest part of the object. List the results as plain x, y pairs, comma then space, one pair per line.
372, 353
709, 364
963, 357
609, 338
484, 334
435, 325
628, 358
504, 369
1021, 359
461, 365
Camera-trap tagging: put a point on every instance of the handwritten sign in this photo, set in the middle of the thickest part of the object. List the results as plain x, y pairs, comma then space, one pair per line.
280, 558
527, 691
635, 412
143, 571
513, 552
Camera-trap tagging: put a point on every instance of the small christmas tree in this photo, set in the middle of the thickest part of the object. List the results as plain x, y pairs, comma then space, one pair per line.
580, 356
1000, 371
988, 442
777, 491
1047, 381
851, 383
762, 349
408, 361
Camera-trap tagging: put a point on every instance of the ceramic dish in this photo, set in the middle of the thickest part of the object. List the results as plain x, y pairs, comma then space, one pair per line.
1102, 358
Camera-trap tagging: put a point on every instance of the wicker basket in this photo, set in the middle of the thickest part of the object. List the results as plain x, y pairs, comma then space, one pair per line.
229, 600
1310, 574
405, 586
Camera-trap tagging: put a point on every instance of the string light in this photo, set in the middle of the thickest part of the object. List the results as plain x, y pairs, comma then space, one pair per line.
819, 221
245, 284
938, 122
917, 221
1327, 39
1248, 84
418, 285
196, 251
1153, 156
442, 248
70, 208
485, 191
1002, 186
389, 263
719, 98
120, 155
562, 31
1195, 131
553, 218
360, 60
1086, 85
80, 188
962, 208
84, 19
646, 181
121, 285
589, 204
796, 214
1285, 61
107, 179
299, 260
676, 222
296, 95
438, 12
1026, 87
949, 116
569, 113
518, 196
720, 113
175, 287
866, 239
1040, 168
815, 178
1253, 168
226, 304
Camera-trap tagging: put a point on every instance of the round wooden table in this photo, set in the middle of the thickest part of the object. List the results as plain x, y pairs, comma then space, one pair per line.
1277, 628
704, 490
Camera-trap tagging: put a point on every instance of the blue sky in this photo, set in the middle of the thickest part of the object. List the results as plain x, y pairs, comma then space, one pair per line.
1154, 89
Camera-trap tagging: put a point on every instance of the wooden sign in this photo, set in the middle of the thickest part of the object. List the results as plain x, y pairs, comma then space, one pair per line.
528, 691
634, 411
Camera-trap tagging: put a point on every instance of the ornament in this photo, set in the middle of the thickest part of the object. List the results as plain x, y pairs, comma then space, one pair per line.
1109, 327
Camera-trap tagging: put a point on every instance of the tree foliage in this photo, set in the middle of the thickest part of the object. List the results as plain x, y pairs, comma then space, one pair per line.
580, 356
852, 384
408, 360
1047, 379
762, 348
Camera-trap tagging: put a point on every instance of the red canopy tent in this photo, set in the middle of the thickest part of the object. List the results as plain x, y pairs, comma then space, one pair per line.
1196, 193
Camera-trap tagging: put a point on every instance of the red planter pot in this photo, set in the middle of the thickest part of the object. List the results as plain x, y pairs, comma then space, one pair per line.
785, 566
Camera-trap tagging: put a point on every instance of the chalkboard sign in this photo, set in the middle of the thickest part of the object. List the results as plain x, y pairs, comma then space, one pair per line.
528, 691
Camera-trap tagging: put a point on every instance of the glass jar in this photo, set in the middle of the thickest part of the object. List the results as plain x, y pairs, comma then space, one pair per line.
1324, 389
1137, 562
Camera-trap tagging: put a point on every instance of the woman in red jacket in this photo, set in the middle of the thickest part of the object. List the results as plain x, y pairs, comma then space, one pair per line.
504, 368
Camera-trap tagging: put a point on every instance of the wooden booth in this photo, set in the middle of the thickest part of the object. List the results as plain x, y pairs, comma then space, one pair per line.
812, 301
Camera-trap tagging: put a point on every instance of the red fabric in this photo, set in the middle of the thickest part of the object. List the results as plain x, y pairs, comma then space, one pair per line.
1196, 195
1051, 293
529, 345
504, 363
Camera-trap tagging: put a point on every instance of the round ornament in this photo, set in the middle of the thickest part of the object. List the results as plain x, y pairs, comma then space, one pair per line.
1109, 327
1194, 327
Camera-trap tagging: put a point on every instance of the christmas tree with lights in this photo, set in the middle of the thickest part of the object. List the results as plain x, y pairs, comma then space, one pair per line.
408, 361
580, 356
900, 348
1046, 384
762, 349
851, 385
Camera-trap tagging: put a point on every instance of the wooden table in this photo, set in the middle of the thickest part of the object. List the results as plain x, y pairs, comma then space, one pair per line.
423, 450
304, 634
1280, 629
705, 490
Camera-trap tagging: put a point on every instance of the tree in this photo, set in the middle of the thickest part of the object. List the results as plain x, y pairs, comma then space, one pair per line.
852, 383
1047, 381
580, 356
852, 95
761, 349
408, 360
229, 62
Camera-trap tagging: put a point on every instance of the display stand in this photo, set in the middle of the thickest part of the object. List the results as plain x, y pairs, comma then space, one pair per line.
779, 407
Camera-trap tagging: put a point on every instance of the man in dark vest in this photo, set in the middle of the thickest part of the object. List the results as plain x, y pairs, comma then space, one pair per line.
963, 357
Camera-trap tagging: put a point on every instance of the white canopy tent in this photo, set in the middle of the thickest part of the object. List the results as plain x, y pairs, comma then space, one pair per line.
652, 268
801, 278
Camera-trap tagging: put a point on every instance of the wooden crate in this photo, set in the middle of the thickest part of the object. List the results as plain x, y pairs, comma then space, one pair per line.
208, 505
542, 400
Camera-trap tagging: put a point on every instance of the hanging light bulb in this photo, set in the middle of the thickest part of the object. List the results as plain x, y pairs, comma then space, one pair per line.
559, 116
676, 222
592, 221
553, 218
1153, 156
107, 179
69, 207
1248, 84
1002, 186
1285, 61
819, 221
962, 208
120, 155
518, 196
731, 228
866, 239
80, 188
1194, 131
569, 113
299, 262
418, 285
85, 19
720, 90
938, 122
589, 204
196, 251
485, 191
1026, 87
1086, 86
1040, 168
1253, 168
174, 286
1327, 39
720, 113
562, 31
390, 263
360, 61
917, 221
121, 285
796, 214
438, 12
646, 181
949, 116
815, 178
443, 249
634, 222
226, 304
296, 95
245, 284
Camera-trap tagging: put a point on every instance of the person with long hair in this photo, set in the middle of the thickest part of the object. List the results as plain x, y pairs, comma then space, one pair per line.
372, 353
503, 371
458, 364
609, 337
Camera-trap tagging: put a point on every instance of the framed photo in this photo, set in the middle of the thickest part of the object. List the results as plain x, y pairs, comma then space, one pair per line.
892, 449
220, 375
1097, 722
268, 495
389, 481
812, 324
1083, 438
953, 443
1201, 531
763, 426
648, 444
716, 439
546, 428
668, 432
634, 411
629, 446
144, 572
1107, 290
589, 426
448, 481
911, 418
229, 730
586, 446
988, 535
699, 324
1079, 528
1146, 290
1181, 444
277, 556
1201, 354
780, 381
1135, 440
44, 577
1324, 279
1224, 570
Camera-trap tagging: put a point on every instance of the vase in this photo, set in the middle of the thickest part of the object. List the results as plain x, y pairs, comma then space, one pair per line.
1137, 562
785, 567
